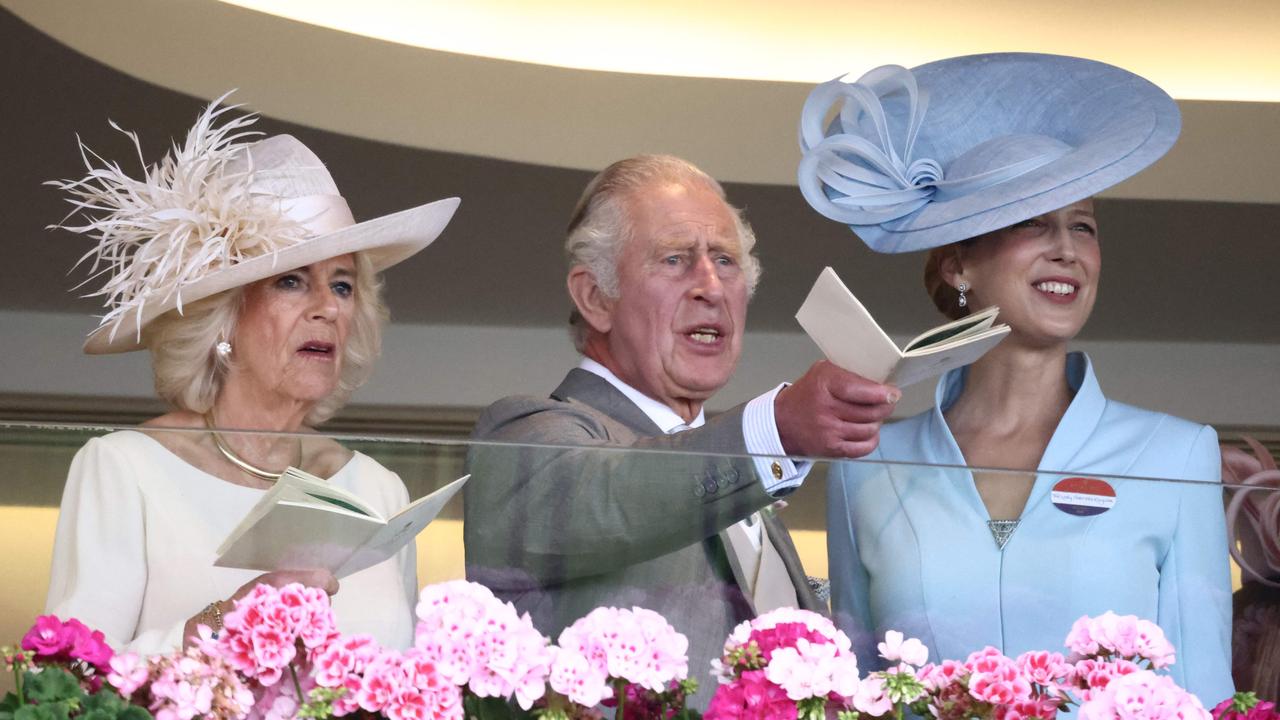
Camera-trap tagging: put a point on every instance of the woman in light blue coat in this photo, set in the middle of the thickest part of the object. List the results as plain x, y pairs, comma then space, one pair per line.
995, 178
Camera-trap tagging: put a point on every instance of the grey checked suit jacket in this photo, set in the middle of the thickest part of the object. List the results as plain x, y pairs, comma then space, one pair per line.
559, 531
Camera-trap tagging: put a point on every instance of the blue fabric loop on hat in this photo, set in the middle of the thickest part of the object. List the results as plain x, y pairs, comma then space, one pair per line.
850, 179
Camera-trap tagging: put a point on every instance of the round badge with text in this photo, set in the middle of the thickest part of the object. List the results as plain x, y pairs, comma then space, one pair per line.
1083, 496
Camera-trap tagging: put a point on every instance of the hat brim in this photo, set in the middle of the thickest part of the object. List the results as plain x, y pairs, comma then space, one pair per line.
386, 241
1116, 123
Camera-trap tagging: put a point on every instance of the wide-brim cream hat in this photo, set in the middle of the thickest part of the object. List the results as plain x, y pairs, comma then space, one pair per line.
220, 212
947, 151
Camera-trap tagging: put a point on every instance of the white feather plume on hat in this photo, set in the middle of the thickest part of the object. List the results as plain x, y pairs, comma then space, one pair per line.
222, 210
186, 216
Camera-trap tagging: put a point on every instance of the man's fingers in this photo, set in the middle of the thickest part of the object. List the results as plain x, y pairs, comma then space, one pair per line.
860, 391
854, 413
858, 449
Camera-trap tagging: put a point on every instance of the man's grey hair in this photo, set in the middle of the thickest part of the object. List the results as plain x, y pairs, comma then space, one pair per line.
601, 224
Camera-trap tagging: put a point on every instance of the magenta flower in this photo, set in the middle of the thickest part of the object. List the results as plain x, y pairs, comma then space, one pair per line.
752, 697
1245, 706
48, 637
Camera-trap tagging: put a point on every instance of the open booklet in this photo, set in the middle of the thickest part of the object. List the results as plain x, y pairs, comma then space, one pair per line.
851, 339
303, 522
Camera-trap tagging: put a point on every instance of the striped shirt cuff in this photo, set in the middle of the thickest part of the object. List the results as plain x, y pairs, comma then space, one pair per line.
760, 431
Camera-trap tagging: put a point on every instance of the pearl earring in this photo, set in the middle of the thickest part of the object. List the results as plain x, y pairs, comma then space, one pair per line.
964, 301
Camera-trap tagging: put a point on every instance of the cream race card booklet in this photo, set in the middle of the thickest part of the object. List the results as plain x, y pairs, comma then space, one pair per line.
851, 339
303, 522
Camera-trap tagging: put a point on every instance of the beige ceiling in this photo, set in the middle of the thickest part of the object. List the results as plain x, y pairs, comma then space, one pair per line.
1197, 50
740, 130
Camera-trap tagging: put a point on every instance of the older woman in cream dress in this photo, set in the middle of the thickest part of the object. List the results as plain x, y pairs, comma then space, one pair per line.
240, 268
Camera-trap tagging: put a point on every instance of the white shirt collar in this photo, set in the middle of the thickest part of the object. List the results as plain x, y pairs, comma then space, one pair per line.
664, 417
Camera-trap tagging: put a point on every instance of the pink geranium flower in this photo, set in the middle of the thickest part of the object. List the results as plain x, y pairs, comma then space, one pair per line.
1143, 695
128, 673
482, 643
785, 658
1125, 636
636, 646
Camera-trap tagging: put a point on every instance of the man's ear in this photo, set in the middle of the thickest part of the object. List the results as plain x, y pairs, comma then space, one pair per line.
594, 306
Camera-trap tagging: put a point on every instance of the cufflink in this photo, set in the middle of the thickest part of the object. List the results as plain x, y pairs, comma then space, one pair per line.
776, 469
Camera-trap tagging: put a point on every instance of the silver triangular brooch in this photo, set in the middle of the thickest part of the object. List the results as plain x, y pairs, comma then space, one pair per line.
1002, 530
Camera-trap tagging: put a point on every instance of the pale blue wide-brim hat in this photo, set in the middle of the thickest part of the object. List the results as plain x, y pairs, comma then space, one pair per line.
950, 150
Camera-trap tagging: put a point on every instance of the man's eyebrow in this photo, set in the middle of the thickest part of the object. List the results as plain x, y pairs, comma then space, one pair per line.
726, 244
674, 242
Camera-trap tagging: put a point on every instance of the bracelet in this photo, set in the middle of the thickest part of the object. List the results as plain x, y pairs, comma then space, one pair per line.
211, 616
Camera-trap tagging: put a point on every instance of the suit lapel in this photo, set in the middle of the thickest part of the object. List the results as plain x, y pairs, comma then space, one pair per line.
591, 389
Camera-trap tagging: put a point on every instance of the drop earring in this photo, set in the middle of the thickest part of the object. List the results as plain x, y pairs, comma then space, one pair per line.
964, 301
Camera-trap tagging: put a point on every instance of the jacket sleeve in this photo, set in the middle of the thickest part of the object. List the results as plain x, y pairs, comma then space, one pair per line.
1195, 580
99, 569
570, 502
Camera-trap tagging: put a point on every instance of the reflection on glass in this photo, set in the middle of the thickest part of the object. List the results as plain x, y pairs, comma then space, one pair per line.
1038, 587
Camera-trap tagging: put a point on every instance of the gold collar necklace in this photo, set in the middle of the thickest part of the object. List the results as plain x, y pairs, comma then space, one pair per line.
240, 462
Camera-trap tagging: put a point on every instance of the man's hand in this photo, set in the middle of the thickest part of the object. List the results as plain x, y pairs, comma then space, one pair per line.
830, 412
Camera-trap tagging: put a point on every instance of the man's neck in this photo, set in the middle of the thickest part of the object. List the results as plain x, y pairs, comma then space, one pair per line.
689, 412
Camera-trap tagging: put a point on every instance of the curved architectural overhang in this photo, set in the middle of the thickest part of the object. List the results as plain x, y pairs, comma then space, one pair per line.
385, 88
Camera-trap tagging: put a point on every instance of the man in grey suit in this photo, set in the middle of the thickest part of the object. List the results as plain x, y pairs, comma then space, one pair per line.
660, 274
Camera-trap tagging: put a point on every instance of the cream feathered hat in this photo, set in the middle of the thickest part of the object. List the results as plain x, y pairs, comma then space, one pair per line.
220, 211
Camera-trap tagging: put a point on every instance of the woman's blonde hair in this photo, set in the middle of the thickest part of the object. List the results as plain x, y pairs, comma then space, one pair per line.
189, 372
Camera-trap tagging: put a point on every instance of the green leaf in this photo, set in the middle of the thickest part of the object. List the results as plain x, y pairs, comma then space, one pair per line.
813, 708
52, 685
40, 712
104, 700
489, 708
1243, 702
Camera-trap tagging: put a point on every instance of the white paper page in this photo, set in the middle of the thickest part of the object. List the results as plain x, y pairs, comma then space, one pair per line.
297, 536
927, 362
401, 529
845, 331
324, 492
973, 325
